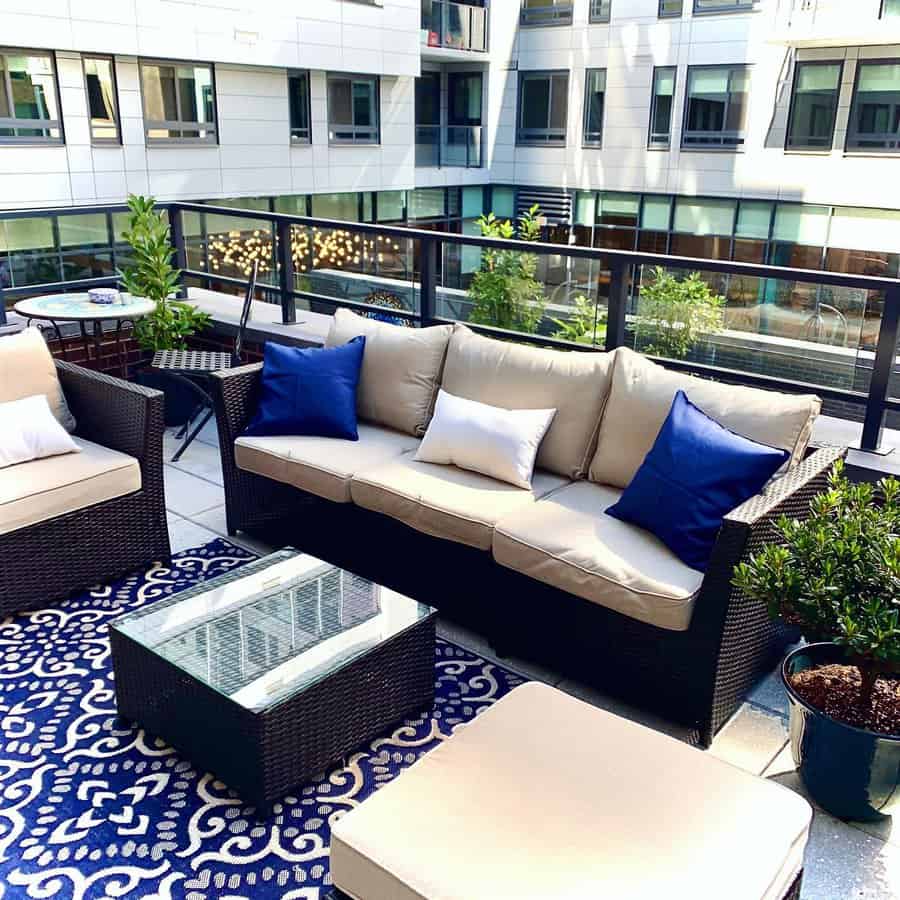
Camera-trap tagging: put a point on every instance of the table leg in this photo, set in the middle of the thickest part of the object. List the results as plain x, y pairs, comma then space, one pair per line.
97, 337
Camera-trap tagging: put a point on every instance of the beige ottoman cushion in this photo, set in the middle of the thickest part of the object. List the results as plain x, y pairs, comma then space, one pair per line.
513, 376
543, 796
641, 397
401, 369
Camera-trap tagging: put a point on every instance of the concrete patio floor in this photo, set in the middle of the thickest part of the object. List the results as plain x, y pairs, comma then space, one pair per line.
843, 860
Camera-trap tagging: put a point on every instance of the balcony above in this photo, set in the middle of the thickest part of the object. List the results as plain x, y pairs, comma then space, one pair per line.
836, 23
453, 31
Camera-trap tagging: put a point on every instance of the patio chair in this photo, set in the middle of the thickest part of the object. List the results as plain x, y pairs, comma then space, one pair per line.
73, 521
191, 367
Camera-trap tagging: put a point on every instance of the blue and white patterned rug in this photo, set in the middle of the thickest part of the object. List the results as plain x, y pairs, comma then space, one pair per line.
90, 809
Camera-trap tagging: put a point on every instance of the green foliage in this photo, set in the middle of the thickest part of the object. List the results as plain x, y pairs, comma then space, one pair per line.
673, 312
586, 324
837, 573
152, 275
505, 292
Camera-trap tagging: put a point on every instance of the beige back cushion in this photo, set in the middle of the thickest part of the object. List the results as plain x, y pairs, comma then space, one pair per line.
641, 397
401, 369
515, 376
27, 368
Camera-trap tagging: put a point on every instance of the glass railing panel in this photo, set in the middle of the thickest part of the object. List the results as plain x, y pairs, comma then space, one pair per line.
454, 146
456, 26
428, 145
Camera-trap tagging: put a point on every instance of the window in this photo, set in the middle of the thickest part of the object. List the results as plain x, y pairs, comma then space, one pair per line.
670, 8
179, 102
546, 12
543, 107
29, 105
353, 109
890, 8
814, 106
716, 108
594, 90
599, 10
661, 107
875, 113
100, 84
702, 6
298, 102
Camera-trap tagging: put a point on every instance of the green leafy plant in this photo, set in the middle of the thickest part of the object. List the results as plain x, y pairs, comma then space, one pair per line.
151, 274
585, 324
674, 312
836, 575
505, 292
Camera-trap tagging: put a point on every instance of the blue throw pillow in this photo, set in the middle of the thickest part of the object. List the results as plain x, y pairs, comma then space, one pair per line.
695, 474
309, 391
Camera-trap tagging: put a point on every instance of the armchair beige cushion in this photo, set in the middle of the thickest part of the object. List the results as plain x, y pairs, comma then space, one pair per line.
641, 397
566, 540
27, 368
320, 465
401, 369
43, 489
445, 501
514, 376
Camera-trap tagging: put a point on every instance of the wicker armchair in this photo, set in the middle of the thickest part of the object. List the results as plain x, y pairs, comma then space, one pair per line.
44, 562
696, 678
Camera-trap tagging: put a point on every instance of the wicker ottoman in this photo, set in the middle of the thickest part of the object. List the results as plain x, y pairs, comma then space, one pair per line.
544, 796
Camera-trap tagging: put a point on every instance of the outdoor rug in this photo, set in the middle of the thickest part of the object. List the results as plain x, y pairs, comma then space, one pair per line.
91, 809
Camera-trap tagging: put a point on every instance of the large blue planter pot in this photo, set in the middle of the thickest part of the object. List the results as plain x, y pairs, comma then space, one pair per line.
850, 772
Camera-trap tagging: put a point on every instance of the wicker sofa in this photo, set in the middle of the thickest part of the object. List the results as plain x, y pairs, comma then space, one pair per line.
69, 522
541, 572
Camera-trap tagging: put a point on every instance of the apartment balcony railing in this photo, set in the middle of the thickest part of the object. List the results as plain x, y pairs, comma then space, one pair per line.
547, 12
836, 23
449, 146
842, 346
454, 26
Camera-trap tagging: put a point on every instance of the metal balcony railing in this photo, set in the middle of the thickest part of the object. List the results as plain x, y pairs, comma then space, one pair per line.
294, 248
449, 146
547, 12
454, 26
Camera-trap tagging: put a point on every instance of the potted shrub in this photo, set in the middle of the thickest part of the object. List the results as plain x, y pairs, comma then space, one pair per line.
836, 576
150, 274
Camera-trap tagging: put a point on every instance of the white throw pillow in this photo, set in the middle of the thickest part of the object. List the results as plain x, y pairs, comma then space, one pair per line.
502, 443
29, 430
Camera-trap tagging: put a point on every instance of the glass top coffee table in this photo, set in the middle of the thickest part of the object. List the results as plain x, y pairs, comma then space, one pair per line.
269, 674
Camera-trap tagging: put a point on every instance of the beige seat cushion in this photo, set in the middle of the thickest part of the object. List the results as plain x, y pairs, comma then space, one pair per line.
43, 489
444, 501
27, 368
319, 465
641, 397
514, 376
401, 369
568, 541
544, 797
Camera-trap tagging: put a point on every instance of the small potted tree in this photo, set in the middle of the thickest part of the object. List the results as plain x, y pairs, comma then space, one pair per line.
836, 576
150, 274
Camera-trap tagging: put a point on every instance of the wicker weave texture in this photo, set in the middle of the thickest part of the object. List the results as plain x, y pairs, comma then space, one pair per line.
45, 562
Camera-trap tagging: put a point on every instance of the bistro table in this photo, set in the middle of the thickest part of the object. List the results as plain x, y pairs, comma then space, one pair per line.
55, 309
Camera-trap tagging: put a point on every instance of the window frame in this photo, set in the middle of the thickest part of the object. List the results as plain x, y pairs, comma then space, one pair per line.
596, 14
653, 95
374, 130
45, 124
298, 139
564, 16
661, 10
790, 121
529, 75
728, 7
720, 147
868, 151
117, 115
212, 138
586, 141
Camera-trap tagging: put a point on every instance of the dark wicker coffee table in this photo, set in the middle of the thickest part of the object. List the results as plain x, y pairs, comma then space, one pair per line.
268, 675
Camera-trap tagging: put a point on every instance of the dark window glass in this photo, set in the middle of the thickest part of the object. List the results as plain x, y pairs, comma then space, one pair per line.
179, 102
546, 12
661, 106
100, 82
814, 106
29, 110
594, 92
298, 100
875, 114
543, 107
716, 107
353, 109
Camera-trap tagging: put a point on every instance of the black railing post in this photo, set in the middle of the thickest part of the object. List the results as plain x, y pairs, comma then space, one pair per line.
618, 300
176, 236
428, 280
883, 368
286, 273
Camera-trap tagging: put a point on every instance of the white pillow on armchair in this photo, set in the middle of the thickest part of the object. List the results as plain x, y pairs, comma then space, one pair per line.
29, 430
502, 443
